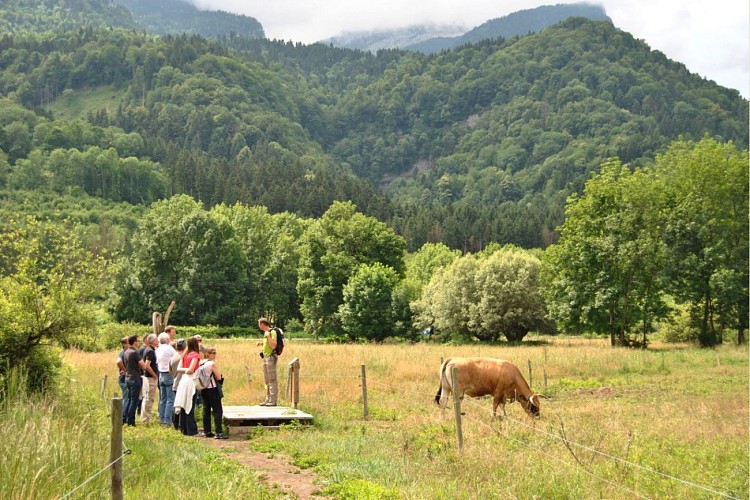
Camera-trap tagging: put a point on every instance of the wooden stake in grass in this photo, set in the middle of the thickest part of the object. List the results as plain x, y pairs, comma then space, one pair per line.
294, 379
364, 391
115, 449
530, 380
248, 376
457, 407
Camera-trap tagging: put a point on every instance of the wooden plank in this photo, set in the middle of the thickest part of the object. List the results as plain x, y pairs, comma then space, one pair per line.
246, 418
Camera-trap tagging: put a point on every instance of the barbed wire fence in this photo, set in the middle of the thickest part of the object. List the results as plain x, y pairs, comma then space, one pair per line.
118, 451
399, 393
403, 395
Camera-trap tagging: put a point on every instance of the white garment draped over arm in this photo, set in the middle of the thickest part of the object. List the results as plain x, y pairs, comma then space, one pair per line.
183, 399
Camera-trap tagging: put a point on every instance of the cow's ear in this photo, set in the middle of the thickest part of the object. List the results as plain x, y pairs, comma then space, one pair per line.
522, 398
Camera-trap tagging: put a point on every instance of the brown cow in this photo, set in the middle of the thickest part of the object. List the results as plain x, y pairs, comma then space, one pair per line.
487, 376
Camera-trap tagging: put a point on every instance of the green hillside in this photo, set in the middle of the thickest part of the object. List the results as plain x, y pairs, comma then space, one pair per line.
18, 16
480, 144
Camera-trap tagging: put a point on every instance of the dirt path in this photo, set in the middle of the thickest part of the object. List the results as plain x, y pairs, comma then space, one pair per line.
276, 472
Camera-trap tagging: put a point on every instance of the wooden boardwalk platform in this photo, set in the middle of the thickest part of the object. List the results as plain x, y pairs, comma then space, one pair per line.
245, 418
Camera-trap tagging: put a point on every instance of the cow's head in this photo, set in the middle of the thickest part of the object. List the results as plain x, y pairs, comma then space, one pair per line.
530, 404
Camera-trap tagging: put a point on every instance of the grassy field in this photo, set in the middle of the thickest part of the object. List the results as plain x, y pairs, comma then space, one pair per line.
76, 105
671, 421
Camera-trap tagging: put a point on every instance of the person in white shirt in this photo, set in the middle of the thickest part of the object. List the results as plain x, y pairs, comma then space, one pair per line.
166, 395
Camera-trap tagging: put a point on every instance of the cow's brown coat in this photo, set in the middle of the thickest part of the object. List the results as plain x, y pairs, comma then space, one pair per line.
487, 376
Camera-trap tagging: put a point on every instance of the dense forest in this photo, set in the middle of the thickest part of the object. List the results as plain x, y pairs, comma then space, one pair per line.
466, 147
242, 176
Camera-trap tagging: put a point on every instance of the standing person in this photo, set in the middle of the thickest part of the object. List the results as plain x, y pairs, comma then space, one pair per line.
148, 354
201, 347
190, 363
121, 366
269, 362
202, 352
174, 364
170, 330
164, 353
133, 366
212, 395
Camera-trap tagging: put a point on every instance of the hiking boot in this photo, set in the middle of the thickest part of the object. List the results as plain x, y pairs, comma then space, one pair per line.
221, 435
209, 434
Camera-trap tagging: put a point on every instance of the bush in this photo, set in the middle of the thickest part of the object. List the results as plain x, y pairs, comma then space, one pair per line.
678, 328
37, 371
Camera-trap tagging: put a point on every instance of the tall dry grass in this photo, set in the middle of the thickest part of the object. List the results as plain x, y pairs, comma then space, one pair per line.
49, 444
668, 421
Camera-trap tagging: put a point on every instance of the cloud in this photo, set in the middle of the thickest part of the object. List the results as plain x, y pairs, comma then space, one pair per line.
710, 38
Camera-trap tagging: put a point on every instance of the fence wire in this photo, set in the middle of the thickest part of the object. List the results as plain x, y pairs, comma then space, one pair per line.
400, 389
125, 452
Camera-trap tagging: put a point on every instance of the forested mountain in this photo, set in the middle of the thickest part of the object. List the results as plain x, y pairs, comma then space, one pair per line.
432, 39
17, 16
154, 16
177, 16
483, 143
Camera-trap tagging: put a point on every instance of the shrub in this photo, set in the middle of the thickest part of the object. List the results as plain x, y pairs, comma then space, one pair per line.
679, 327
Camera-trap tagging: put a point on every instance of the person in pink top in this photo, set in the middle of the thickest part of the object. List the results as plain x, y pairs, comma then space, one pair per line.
190, 363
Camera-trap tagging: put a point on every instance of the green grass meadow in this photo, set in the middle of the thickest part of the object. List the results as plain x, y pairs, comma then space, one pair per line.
667, 422
77, 105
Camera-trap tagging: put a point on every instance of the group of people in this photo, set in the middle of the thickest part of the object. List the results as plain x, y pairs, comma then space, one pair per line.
171, 367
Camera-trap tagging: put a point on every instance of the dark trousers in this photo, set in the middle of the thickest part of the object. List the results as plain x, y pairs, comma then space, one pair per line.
212, 405
134, 392
187, 423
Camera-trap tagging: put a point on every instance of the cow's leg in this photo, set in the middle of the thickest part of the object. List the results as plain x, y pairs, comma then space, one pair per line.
498, 402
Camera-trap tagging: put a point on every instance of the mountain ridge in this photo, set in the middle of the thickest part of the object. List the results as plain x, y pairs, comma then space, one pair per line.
169, 17
434, 38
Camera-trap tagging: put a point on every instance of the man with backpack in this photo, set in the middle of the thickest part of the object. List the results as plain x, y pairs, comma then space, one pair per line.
272, 344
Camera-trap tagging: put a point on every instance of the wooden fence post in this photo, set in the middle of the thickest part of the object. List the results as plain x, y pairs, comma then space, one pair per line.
530, 379
248, 377
293, 385
288, 391
457, 407
364, 392
104, 387
115, 449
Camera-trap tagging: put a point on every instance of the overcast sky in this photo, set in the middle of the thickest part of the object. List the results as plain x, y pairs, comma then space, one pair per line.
712, 38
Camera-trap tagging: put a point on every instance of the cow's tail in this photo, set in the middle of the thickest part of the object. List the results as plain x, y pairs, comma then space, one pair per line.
440, 385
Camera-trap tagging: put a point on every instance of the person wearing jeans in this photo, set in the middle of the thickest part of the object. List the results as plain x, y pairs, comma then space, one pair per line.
166, 396
121, 377
133, 366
